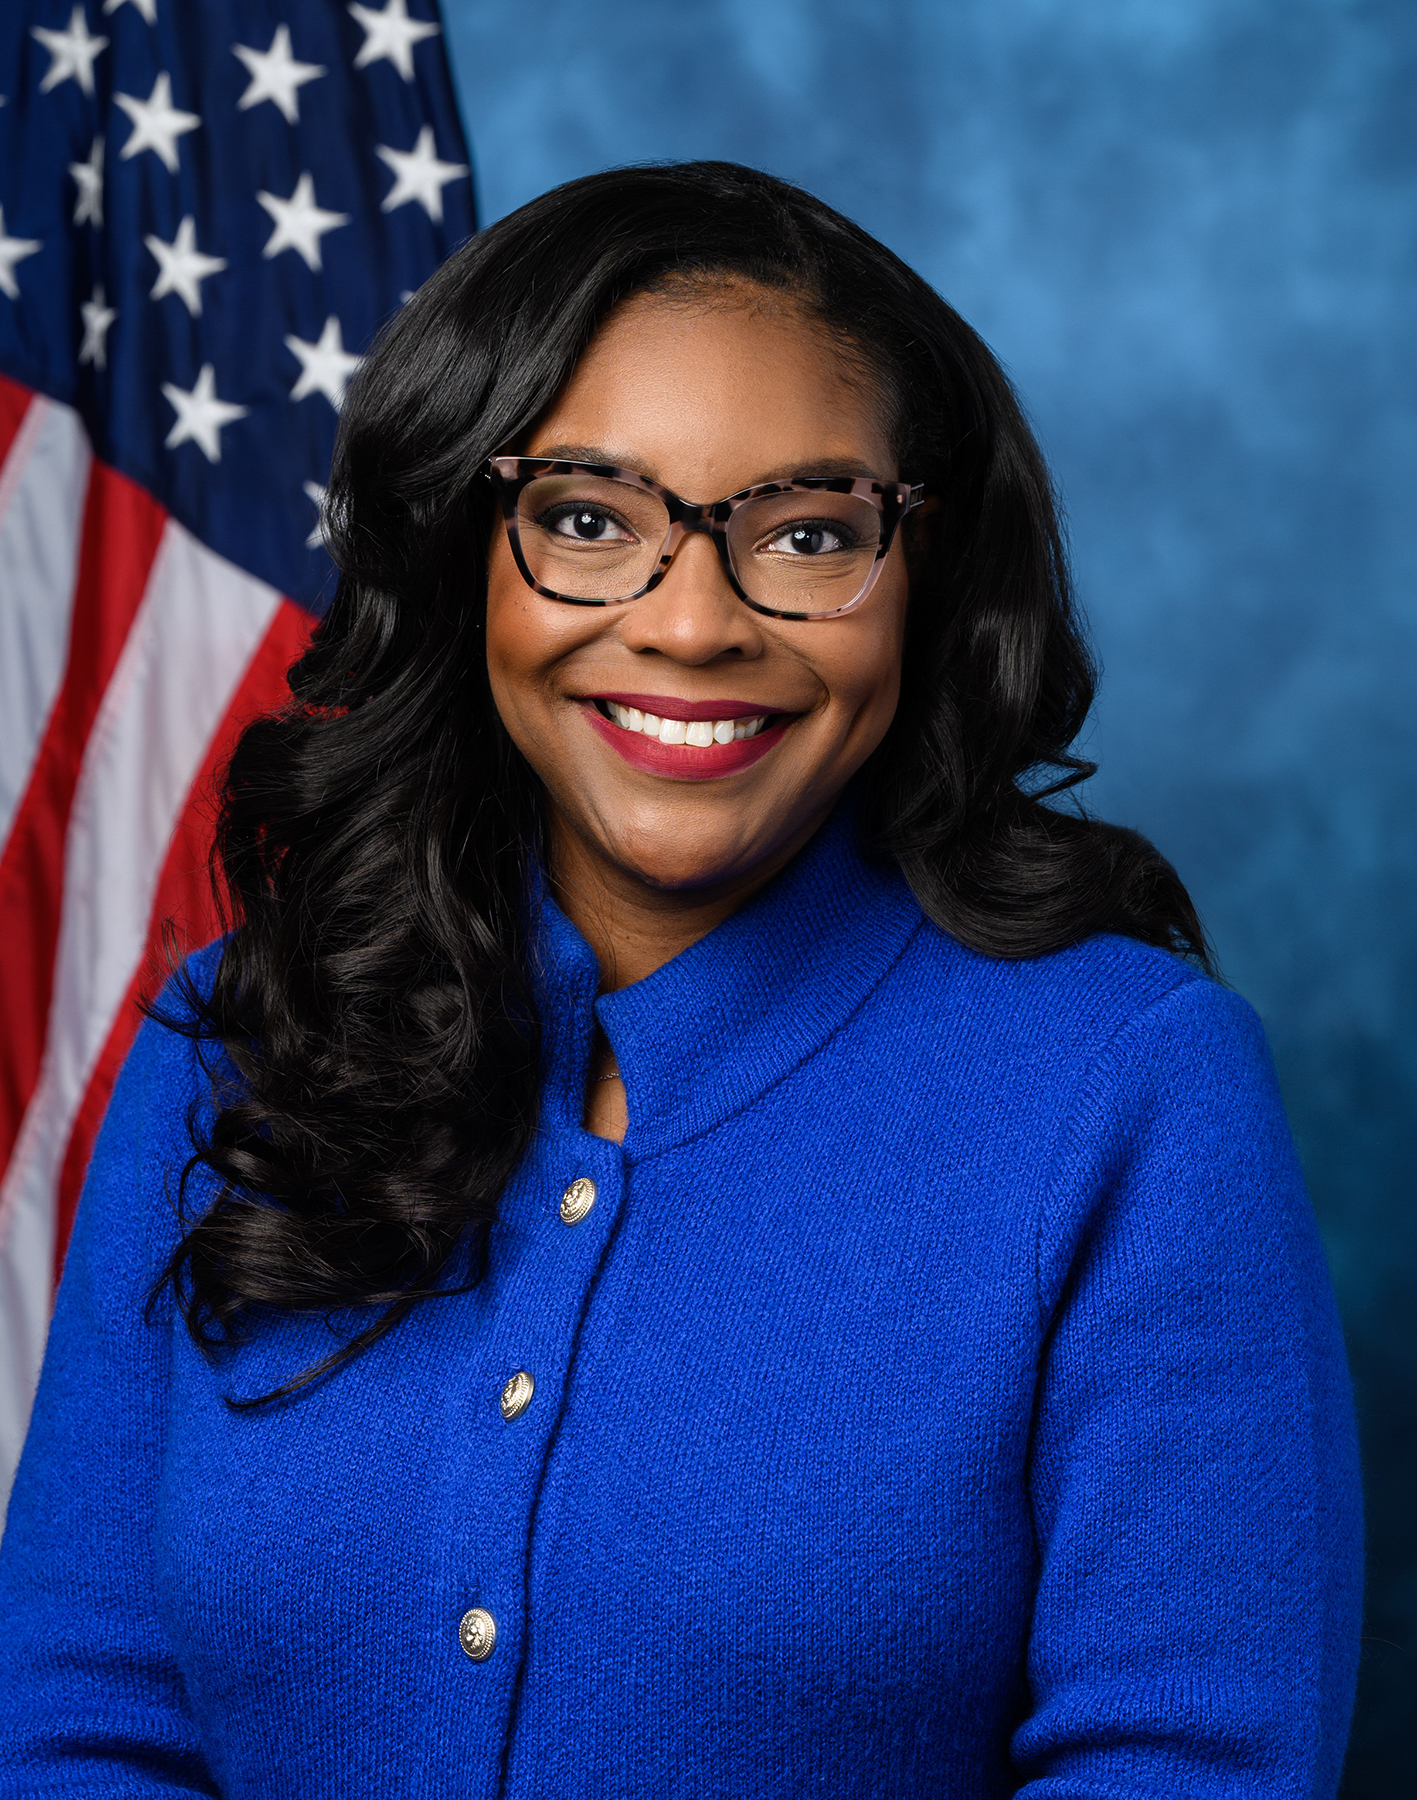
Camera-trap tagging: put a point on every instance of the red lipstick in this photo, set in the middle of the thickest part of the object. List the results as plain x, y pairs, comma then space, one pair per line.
686, 762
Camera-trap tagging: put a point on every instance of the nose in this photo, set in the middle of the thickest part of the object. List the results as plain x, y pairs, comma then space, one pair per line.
693, 616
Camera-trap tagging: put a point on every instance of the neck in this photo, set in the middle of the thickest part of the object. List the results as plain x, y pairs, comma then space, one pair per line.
635, 927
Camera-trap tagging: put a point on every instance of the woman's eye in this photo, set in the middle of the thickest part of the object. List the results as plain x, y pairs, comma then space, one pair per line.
811, 537
587, 525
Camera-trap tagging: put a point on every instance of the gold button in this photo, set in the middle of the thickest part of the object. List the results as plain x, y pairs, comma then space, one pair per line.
477, 1633
516, 1396
577, 1201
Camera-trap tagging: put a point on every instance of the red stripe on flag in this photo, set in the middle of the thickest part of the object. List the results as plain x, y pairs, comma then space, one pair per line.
14, 404
122, 527
184, 898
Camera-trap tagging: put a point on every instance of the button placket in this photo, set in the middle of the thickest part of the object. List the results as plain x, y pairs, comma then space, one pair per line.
558, 1220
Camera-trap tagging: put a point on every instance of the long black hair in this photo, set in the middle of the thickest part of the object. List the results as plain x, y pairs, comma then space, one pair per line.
380, 1041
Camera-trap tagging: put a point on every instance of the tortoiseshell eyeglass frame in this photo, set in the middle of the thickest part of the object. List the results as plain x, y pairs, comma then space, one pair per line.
891, 499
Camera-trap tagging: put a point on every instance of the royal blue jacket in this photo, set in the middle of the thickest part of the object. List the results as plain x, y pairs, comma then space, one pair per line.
941, 1395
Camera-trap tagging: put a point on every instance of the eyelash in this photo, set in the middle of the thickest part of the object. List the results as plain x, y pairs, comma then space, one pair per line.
552, 517
847, 538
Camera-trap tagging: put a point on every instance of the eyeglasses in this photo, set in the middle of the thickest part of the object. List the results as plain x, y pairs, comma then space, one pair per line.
592, 535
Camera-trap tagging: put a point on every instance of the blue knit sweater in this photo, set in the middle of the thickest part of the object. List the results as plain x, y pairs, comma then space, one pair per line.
941, 1396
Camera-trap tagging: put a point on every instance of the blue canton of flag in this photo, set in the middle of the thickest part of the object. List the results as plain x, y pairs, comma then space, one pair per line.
206, 212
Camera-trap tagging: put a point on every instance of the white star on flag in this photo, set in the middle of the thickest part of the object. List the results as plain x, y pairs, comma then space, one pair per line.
418, 175
88, 178
71, 52
200, 415
299, 223
390, 35
157, 123
182, 267
325, 366
148, 8
313, 491
13, 250
275, 75
97, 317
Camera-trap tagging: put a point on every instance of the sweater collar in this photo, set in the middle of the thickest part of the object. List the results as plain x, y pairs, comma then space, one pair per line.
714, 1028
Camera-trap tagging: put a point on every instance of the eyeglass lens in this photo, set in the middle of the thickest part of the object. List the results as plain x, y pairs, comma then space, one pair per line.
592, 538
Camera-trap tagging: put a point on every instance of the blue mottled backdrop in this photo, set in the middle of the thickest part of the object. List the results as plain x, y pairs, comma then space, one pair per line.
1188, 228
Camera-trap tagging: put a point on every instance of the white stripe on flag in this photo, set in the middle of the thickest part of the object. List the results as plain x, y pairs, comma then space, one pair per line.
199, 623
42, 489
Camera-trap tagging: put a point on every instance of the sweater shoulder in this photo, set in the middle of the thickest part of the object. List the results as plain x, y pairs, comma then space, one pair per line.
200, 968
1073, 1002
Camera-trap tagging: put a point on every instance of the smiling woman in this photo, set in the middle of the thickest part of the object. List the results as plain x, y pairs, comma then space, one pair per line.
727, 1234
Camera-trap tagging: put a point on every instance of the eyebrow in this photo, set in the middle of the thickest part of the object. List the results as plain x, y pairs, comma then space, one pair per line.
827, 466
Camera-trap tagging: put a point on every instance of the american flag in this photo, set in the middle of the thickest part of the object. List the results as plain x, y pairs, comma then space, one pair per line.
206, 211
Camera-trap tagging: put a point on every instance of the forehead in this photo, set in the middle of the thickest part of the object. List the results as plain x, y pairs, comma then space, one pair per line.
710, 393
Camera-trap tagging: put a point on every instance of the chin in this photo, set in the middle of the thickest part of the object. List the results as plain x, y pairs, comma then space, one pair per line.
681, 874
672, 854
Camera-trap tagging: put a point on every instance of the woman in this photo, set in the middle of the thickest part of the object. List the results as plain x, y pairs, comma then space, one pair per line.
729, 1246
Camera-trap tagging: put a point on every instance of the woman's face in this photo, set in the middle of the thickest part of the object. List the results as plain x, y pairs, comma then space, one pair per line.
705, 396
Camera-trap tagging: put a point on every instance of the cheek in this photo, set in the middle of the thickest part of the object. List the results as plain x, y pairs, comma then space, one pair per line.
861, 666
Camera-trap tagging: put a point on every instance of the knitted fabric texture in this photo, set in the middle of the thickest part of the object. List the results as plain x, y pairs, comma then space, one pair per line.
942, 1396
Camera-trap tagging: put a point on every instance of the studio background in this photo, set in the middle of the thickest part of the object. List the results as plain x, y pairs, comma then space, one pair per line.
1187, 227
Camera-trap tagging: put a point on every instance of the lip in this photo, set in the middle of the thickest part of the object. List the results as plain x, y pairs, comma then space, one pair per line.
670, 706
684, 762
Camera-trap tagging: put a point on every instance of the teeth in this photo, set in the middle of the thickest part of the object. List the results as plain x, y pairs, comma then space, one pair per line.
697, 735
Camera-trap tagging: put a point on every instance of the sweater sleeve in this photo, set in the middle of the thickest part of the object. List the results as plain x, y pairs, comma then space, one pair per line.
90, 1700
1194, 1469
